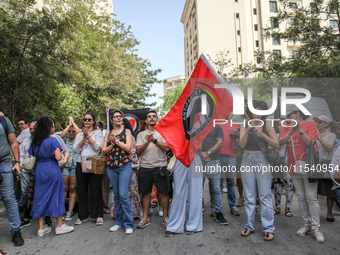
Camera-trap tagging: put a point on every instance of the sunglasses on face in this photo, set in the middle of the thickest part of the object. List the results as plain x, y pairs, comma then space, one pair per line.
70, 131
21, 124
87, 120
152, 116
117, 116
319, 122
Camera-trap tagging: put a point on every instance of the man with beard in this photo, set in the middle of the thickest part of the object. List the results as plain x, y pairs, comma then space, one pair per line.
152, 147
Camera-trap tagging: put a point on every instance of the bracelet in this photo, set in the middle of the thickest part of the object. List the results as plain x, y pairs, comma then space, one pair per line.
269, 140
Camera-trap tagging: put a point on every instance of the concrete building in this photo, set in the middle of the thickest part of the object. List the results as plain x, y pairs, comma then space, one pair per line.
107, 4
211, 26
172, 83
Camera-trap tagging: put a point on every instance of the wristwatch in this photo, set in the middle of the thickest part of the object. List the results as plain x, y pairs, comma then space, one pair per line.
301, 133
117, 142
155, 141
209, 152
17, 162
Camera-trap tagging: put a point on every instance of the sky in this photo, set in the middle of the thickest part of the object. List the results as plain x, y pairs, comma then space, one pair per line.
156, 24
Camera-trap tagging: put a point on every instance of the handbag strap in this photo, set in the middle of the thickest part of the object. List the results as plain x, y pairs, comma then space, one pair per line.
36, 159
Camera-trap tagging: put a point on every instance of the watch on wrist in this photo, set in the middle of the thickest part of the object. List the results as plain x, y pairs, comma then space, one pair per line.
17, 162
209, 152
116, 143
155, 141
301, 133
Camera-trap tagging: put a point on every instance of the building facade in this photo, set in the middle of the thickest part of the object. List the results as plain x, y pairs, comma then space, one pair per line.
211, 26
172, 82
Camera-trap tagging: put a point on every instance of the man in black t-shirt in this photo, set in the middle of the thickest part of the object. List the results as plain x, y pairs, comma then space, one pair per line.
211, 164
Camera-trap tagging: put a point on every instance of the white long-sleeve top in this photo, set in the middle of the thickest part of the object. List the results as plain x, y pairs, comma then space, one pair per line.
88, 149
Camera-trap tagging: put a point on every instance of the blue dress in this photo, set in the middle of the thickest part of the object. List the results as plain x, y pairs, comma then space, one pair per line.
48, 197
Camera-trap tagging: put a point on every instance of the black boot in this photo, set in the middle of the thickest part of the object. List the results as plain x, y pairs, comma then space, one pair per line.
17, 238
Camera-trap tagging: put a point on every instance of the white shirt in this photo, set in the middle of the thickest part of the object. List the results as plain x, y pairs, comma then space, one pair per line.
335, 164
24, 147
23, 135
88, 149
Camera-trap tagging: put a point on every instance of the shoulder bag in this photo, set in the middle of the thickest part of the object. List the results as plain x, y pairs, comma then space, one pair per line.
315, 173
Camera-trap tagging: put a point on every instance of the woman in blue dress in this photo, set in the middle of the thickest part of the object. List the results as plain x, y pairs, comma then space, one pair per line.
48, 197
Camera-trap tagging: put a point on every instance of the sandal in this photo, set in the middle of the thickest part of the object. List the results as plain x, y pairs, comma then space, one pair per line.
154, 204
266, 236
246, 232
289, 214
276, 212
79, 221
2, 252
100, 221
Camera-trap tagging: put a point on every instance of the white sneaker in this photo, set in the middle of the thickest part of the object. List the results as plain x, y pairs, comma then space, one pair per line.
64, 229
115, 228
150, 210
225, 190
69, 216
160, 211
129, 231
303, 230
319, 237
46, 230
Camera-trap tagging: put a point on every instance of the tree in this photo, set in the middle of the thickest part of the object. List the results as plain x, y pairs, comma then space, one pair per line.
31, 62
170, 98
221, 62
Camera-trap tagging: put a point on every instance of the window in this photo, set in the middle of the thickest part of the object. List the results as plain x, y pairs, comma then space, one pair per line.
195, 24
296, 38
258, 60
239, 49
274, 22
255, 27
295, 53
190, 34
292, 5
257, 44
237, 15
238, 32
292, 21
240, 66
276, 40
333, 24
254, 11
236, 1
273, 6
276, 53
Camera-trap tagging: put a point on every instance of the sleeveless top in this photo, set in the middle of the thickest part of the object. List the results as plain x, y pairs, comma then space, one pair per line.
117, 157
251, 142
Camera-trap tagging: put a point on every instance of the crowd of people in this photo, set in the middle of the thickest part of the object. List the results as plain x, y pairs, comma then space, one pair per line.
136, 166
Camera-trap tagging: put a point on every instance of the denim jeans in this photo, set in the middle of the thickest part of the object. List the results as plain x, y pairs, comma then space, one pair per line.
8, 196
25, 181
227, 160
120, 179
215, 184
254, 172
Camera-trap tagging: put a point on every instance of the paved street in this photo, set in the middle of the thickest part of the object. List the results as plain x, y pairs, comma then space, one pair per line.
215, 239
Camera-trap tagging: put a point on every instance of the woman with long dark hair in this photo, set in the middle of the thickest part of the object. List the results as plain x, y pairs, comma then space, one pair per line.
117, 146
88, 143
256, 174
48, 198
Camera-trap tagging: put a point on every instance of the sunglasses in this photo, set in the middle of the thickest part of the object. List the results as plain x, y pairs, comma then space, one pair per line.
21, 124
87, 120
70, 131
117, 116
319, 122
152, 116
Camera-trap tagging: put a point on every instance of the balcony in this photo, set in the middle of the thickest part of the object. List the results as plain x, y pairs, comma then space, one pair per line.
294, 44
194, 42
193, 11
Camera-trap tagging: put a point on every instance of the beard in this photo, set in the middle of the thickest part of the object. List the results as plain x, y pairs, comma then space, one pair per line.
152, 124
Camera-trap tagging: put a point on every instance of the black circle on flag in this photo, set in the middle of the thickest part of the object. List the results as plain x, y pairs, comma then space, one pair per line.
134, 121
194, 122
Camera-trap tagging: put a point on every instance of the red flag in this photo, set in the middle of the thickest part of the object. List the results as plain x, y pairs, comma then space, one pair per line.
186, 125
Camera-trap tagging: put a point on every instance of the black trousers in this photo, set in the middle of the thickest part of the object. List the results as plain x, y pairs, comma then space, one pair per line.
84, 183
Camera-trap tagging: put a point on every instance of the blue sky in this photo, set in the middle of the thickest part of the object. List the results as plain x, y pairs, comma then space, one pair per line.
156, 24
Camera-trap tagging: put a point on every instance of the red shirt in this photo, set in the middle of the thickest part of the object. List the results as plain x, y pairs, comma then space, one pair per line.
229, 144
299, 146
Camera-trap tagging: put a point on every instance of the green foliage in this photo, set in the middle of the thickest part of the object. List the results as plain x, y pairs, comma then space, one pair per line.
68, 58
170, 98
